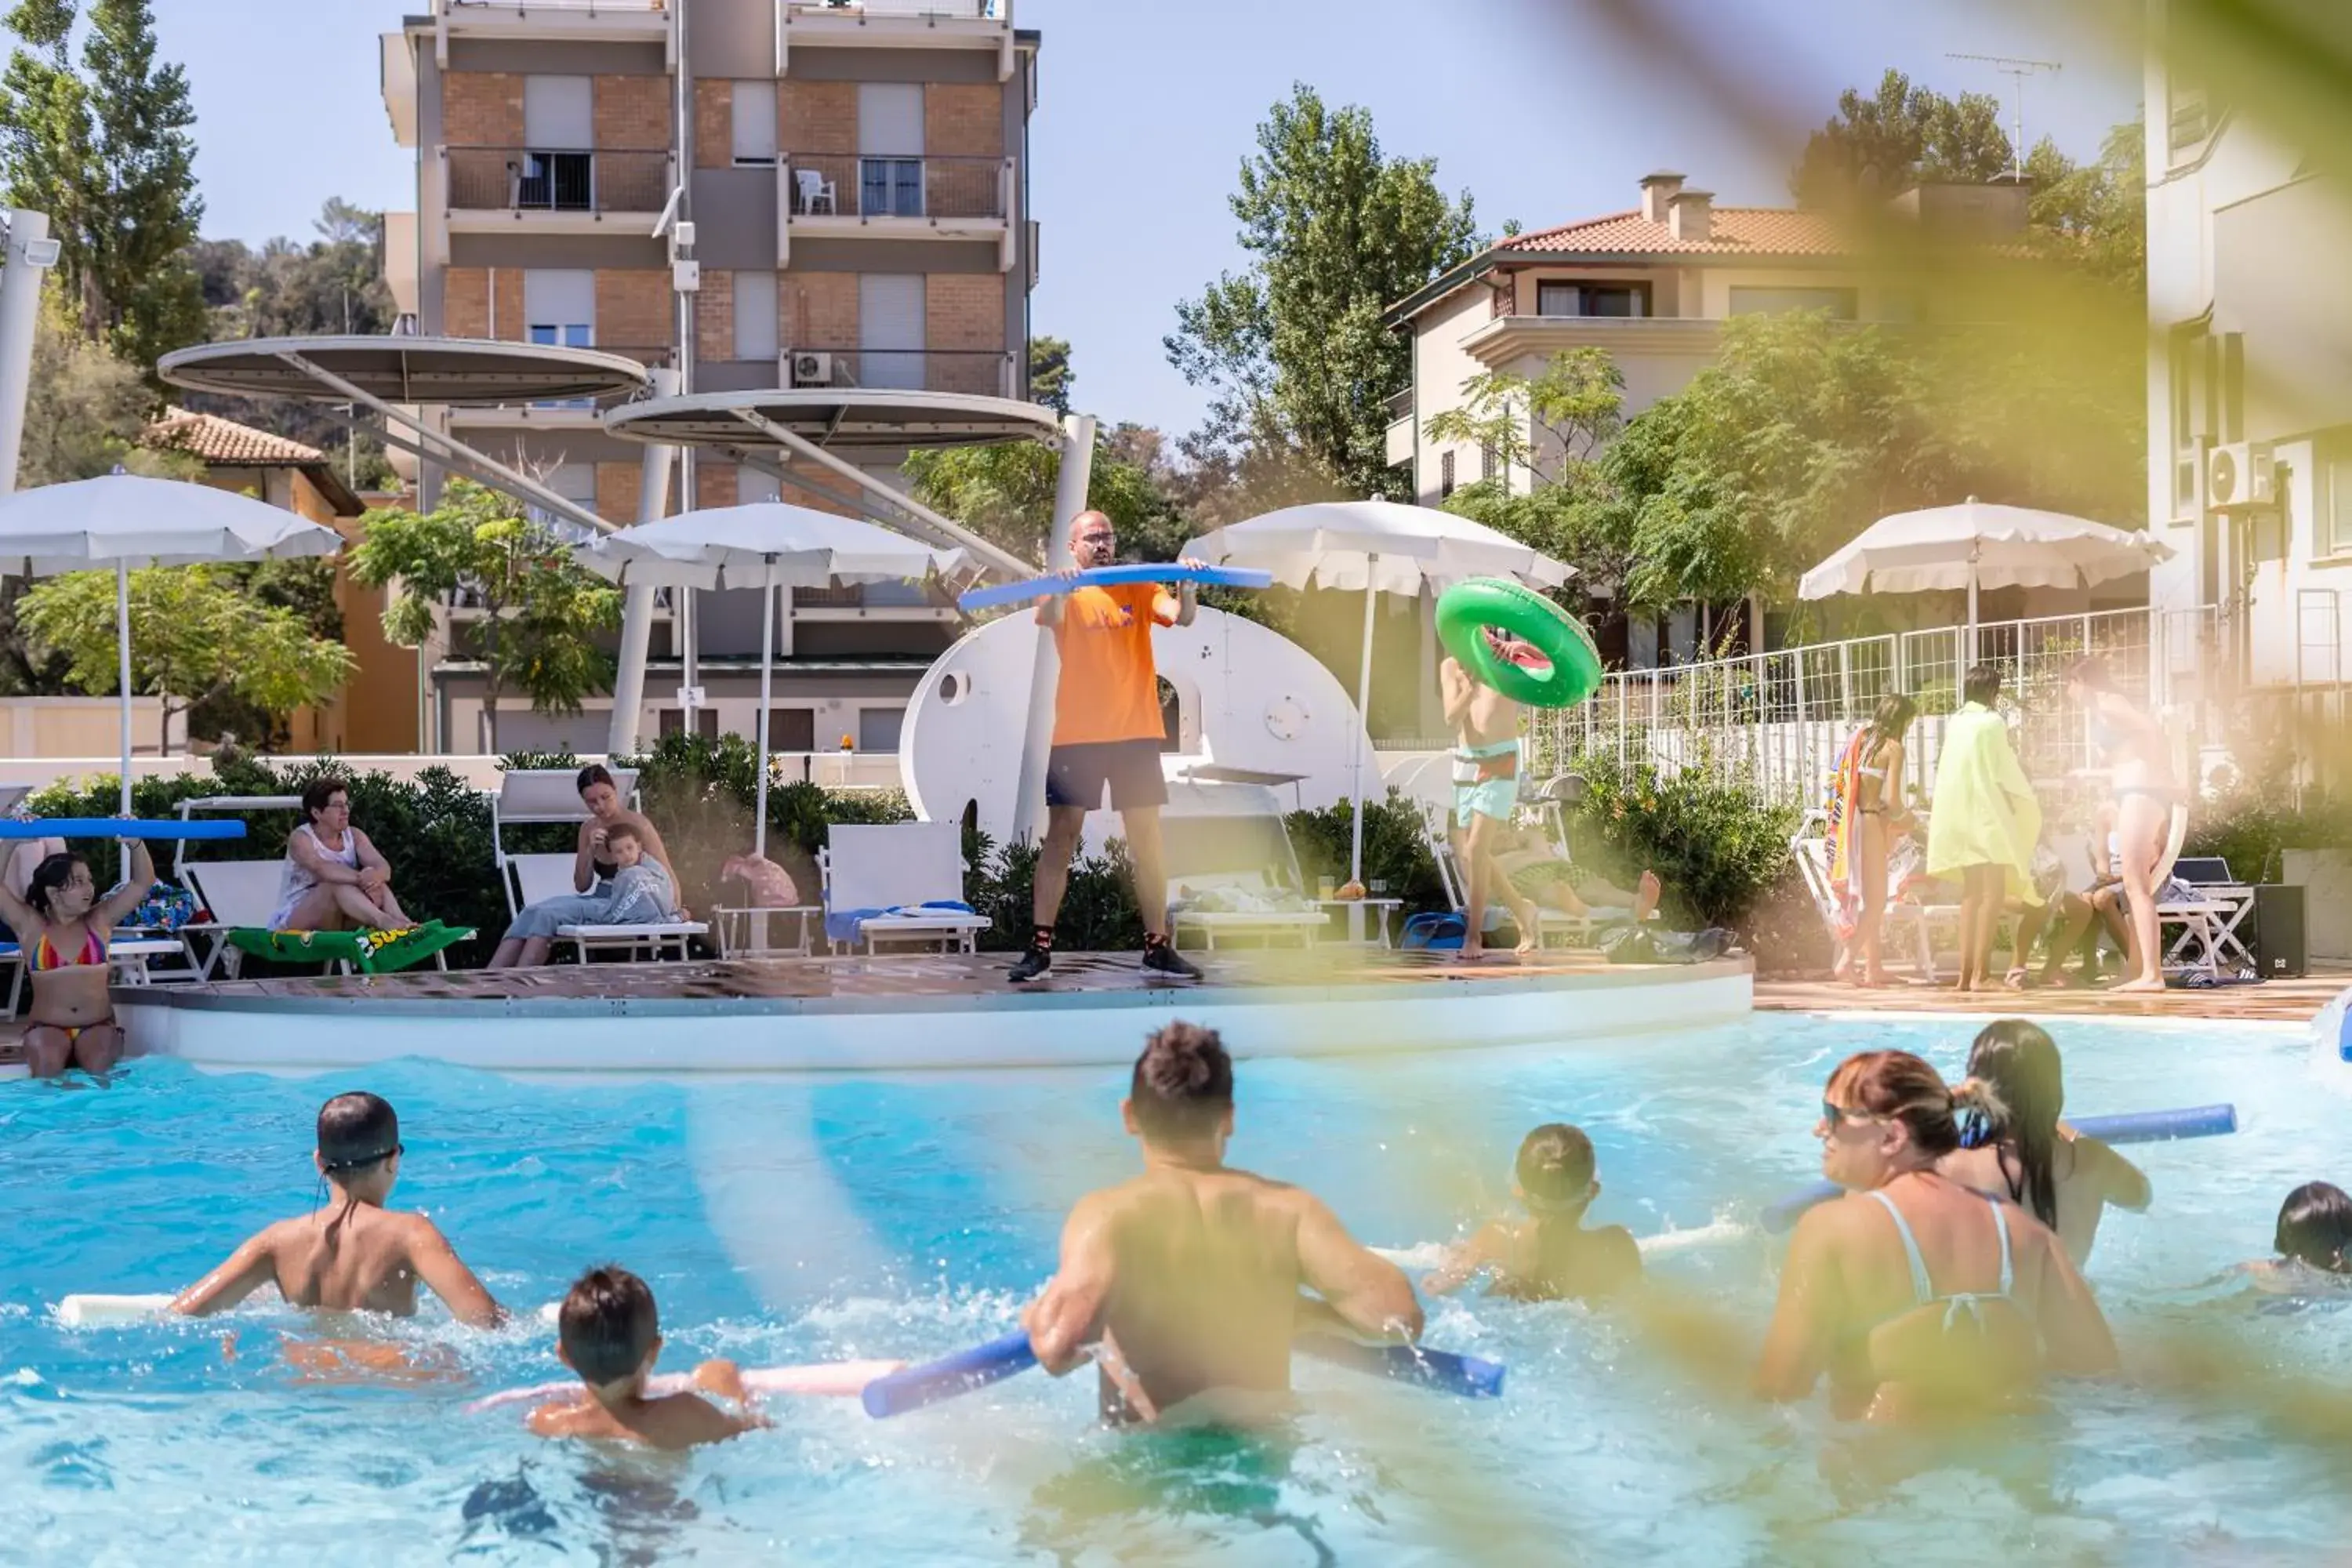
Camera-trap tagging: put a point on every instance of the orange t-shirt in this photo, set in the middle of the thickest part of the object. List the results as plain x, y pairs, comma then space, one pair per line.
1110, 689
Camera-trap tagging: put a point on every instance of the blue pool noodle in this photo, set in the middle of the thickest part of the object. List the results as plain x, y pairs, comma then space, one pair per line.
117, 827
2139, 1127
1109, 576
1472, 1377
949, 1377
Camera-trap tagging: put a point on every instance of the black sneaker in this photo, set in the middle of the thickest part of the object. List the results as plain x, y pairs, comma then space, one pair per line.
1033, 962
1161, 958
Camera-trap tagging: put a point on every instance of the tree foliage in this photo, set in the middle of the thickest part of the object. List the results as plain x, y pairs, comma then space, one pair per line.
1873, 148
106, 150
537, 611
1049, 373
1005, 493
1551, 424
196, 632
1294, 349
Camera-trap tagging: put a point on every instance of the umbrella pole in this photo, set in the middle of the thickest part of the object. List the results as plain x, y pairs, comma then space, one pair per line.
766, 676
1972, 612
122, 651
1364, 715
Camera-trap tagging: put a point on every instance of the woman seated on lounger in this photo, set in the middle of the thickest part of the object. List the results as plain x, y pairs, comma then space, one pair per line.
334, 878
638, 892
591, 865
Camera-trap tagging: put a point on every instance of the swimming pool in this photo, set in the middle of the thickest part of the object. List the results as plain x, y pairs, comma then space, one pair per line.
789, 1220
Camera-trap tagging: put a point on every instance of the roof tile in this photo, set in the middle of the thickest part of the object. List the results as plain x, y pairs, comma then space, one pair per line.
1735, 231
218, 440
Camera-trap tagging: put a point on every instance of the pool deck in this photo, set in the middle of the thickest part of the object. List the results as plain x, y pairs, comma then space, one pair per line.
920, 1013
2296, 1001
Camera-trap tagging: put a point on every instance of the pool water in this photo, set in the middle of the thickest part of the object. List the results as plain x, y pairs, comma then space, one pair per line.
784, 1221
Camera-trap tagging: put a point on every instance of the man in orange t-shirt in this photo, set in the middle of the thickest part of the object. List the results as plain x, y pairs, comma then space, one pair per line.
1106, 735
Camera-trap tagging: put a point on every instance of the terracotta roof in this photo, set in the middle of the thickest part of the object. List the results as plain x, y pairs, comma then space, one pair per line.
1735, 231
218, 440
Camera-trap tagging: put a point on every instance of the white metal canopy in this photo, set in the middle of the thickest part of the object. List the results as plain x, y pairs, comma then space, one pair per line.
841, 419
462, 372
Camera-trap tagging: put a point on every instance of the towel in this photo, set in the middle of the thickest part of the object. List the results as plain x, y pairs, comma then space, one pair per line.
641, 894
1846, 836
1984, 813
841, 925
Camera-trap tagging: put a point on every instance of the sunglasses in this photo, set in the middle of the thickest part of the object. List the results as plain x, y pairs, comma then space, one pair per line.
1836, 1114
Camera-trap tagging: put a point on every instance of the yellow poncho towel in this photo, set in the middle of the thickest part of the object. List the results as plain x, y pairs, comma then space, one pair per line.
1984, 813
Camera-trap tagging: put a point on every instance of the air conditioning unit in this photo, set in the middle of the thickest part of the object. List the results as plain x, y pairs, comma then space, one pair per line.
811, 369
2238, 475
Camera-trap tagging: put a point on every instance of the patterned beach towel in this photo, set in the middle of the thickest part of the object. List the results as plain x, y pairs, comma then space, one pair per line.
1845, 807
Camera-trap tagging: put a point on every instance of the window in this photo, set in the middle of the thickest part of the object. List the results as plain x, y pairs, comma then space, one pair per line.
792, 729
755, 122
555, 172
1628, 300
1838, 302
878, 728
1444, 476
755, 316
558, 309
672, 721
1485, 463
2332, 534
889, 330
751, 485
890, 149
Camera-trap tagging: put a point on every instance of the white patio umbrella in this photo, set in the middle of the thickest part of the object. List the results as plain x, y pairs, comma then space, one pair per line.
1375, 547
1976, 546
768, 545
126, 522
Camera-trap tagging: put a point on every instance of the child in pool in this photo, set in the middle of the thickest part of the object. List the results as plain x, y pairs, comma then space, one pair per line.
609, 1332
1550, 1255
2313, 1240
358, 1256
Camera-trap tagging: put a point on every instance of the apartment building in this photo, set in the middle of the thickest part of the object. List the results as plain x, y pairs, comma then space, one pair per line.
854, 179
2248, 412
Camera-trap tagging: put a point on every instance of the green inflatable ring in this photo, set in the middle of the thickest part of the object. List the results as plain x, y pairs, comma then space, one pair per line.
1466, 609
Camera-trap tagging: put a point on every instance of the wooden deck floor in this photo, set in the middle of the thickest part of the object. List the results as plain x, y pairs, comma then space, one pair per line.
2273, 1001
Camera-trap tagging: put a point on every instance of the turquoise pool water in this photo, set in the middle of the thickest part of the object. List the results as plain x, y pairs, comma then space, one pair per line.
796, 1221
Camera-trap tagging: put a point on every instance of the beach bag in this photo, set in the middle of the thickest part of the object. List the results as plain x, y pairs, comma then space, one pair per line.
769, 885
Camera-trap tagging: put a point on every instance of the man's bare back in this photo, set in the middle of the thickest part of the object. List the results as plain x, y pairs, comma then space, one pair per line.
360, 1259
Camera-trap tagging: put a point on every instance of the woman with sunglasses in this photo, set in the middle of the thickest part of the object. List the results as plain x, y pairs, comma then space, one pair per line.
1920, 1299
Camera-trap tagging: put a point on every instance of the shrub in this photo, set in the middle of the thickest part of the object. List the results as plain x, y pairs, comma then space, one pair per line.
1719, 849
1396, 848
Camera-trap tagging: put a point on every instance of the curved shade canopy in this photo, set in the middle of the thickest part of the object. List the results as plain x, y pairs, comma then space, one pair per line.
458, 373
841, 419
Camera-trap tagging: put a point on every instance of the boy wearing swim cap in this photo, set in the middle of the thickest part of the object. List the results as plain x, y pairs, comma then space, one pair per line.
352, 1255
1549, 1256
1185, 1284
609, 1332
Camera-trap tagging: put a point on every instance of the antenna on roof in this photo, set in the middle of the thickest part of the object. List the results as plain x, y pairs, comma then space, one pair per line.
2018, 71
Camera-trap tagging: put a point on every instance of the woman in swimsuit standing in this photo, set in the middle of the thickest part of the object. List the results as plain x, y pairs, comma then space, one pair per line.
61, 924
1882, 818
2031, 1158
1914, 1295
2139, 765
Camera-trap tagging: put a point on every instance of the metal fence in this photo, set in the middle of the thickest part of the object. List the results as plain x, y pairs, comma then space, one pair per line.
1776, 721
555, 180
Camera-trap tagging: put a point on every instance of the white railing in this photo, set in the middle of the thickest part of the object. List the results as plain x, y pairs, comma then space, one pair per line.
633, 7
1778, 721
957, 10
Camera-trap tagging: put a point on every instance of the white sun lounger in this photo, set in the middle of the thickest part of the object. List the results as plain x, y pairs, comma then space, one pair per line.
898, 866
551, 795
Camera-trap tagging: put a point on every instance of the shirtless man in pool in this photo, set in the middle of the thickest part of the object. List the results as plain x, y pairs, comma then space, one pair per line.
1185, 1285
354, 1254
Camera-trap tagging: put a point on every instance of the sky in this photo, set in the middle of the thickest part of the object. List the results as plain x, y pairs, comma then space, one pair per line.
1544, 111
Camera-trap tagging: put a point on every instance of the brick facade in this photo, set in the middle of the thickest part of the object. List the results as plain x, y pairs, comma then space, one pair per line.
481, 109
466, 302
816, 116
618, 486
714, 317
633, 307
817, 309
714, 124
631, 111
964, 312
715, 484
810, 499
963, 120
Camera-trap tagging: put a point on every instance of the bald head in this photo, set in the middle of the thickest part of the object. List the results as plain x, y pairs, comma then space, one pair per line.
1094, 540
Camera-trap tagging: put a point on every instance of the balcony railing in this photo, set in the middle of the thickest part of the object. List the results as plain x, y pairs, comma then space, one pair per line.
591, 7
556, 180
867, 186
986, 373
959, 10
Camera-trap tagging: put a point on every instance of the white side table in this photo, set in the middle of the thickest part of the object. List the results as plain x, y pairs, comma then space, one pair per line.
744, 928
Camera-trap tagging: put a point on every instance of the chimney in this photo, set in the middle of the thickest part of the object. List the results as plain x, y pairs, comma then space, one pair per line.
1691, 214
1657, 190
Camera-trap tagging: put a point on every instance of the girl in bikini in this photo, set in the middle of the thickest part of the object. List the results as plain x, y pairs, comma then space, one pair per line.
1917, 1297
2139, 762
61, 924
1880, 819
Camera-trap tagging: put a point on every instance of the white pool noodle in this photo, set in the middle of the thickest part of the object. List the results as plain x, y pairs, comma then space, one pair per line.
1432, 1254
93, 1312
838, 1380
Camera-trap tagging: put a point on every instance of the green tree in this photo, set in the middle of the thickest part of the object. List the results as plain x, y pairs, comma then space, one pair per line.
1005, 494
1551, 424
2096, 214
195, 635
1295, 348
537, 611
1049, 373
106, 152
1872, 148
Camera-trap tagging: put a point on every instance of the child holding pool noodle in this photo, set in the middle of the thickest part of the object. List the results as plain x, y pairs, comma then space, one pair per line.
1550, 1255
609, 1332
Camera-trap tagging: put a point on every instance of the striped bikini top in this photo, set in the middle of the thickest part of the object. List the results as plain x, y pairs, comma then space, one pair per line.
46, 957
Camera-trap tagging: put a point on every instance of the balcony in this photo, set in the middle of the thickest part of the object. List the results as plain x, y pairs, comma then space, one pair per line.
1505, 340
898, 23
850, 195
869, 601
984, 373
545, 190
622, 21
567, 414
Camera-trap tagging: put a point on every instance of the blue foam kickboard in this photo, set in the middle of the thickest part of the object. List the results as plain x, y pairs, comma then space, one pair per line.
118, 828
1111, 576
